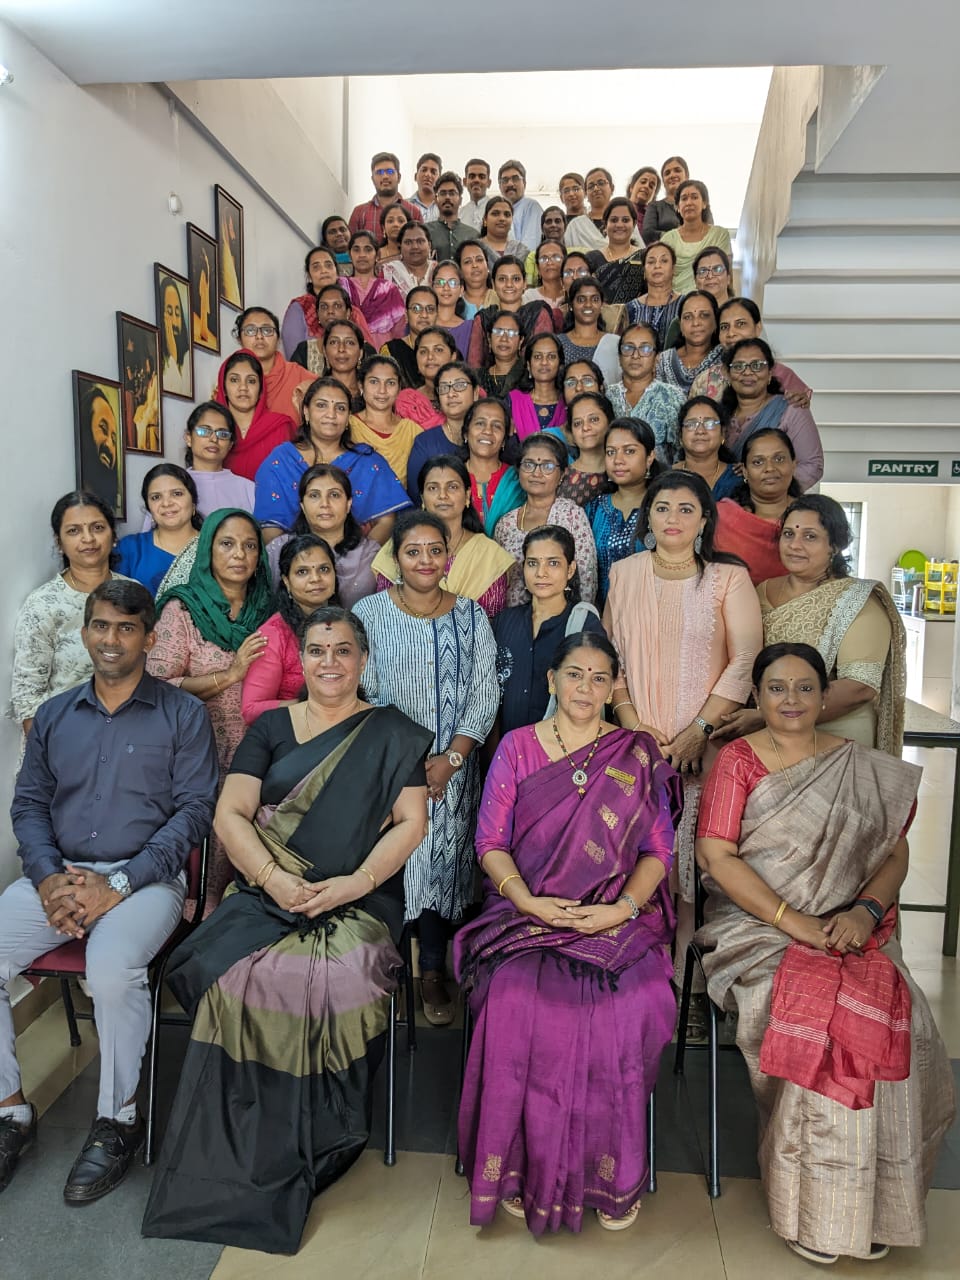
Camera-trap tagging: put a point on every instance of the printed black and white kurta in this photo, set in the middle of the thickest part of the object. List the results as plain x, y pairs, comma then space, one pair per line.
441, 672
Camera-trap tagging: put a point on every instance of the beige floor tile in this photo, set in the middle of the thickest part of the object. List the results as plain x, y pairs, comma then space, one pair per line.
48, 1064
674, 1235
751, 1251
375, 1222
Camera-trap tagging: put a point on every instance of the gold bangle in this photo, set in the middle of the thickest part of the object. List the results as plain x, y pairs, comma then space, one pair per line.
216, 682
256, 878
514, 875
367, 872
273, 867
780, 910
627, 702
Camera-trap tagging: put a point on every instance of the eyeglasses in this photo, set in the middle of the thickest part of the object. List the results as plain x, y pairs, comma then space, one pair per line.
384, 173
570, 191
718, 270
422, 308
708, 424
597, 184
219, 433
505, 333
588, 381
529, 467
444, 388
451, 283
755, 366
550, 257
264, 330
579, 272
633, 349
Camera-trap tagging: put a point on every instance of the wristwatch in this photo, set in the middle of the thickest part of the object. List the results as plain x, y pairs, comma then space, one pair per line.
455, 759
706, 728
119, 882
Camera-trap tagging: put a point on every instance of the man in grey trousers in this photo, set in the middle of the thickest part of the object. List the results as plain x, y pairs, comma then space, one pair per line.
118, 784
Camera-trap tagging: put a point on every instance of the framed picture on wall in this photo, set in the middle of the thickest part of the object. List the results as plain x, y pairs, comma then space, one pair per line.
138, 348
173, 322
99, 444
203, 272
229, 216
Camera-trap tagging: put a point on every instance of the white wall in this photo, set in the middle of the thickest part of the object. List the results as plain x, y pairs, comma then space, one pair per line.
903, 517
719, 155
82, 225
377, 120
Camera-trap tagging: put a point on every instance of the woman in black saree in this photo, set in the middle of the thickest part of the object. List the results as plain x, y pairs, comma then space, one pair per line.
289, 980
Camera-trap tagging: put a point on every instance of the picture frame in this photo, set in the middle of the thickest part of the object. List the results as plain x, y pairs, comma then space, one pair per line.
203, 273
172, 292
138, 360
228, 213
98, 439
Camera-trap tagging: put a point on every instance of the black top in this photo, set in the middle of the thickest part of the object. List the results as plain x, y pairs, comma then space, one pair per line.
523, 661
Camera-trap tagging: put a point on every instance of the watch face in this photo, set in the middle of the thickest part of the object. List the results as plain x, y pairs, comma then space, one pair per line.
456, 759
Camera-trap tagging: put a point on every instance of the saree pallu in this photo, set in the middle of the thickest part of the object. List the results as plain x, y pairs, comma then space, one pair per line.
821, 617
570, 1028
835, 1179
290, 1014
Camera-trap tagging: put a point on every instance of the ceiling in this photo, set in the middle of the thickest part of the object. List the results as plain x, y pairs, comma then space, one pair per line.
122, 41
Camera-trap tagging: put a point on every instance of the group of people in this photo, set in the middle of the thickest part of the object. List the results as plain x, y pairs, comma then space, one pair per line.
509, 606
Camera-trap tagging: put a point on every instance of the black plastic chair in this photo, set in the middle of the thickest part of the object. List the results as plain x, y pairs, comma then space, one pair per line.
694, 957
651, 1103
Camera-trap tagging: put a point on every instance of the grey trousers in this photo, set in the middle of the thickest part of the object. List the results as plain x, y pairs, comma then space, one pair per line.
120, 946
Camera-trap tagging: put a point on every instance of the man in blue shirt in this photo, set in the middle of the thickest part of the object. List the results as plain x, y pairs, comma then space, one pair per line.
118, 784
527, 213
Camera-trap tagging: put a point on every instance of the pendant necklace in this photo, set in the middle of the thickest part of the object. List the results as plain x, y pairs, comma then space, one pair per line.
579, 778
773, 743
416, 612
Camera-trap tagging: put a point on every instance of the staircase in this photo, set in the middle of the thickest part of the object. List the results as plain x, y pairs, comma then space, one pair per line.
864, 303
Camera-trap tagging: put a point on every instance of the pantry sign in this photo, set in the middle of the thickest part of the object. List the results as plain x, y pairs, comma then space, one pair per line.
904, 469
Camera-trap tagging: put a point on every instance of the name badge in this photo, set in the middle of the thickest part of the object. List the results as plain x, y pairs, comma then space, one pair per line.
618, 775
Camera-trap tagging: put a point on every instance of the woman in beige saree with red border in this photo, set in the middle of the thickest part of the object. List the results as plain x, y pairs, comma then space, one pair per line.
808, 845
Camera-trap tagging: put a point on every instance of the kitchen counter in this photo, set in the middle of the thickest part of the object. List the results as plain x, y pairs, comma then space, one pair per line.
930, 659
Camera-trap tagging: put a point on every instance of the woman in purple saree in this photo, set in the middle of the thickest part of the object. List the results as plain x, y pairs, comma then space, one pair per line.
568, 966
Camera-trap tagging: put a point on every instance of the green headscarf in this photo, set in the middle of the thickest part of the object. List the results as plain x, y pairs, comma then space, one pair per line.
201, 595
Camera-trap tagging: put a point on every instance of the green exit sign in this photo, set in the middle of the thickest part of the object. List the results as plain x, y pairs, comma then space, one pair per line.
899, 468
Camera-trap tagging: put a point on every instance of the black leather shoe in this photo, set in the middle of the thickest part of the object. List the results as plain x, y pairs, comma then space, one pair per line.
14, 1141
104, 1160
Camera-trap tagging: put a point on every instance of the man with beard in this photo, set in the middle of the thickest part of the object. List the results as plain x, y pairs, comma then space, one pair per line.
448, 232
177, 373
100, 447
385, 176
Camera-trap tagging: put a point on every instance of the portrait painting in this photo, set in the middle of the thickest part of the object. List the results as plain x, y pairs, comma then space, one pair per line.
203, 272
173, 322
99, 444
229, 216
138, 345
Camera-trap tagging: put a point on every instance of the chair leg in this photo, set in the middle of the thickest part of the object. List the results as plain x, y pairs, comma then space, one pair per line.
713, 1171
652, 1141
684, 1013
464, 1052
67, 996
406, 950
153, 1055
389, 1147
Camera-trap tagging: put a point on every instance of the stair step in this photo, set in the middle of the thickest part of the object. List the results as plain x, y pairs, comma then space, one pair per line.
792, 336
876, 373
919, 254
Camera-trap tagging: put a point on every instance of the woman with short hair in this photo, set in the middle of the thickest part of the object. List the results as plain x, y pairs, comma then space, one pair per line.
659, 307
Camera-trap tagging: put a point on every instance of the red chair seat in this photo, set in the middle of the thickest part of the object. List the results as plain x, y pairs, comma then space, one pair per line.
70, 957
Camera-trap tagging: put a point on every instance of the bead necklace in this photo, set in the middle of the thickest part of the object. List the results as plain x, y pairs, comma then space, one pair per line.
579, 778
773, 742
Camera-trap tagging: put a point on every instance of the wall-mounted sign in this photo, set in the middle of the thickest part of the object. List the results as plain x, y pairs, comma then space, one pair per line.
902, 469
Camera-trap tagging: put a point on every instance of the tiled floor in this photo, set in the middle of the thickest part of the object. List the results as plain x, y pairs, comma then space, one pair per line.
412, 1221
